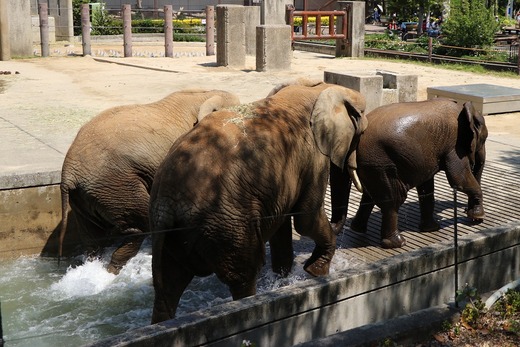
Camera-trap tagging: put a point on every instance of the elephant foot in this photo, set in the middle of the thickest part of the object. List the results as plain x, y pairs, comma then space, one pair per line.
430, 225
358, 227
337, 227
317, 267
114, 269
476, 214
396, 241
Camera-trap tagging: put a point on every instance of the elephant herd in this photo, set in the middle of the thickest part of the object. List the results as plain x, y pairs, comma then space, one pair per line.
213, 180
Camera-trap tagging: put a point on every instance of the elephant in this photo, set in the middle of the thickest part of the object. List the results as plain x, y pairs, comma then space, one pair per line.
404, 146
232, 184
108, 170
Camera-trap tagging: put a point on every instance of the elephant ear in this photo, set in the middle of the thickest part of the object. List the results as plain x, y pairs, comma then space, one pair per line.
337, 118
215, 103
475, 126
298, 82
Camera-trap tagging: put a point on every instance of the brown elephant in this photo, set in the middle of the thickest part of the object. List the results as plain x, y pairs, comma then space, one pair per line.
232, 183
108, 170
404, 146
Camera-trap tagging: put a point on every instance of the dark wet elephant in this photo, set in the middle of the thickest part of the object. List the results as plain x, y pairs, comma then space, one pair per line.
108, 170
404, 146
232, 183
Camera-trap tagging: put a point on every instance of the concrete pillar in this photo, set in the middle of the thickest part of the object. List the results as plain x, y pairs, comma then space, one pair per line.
252, 20
354, 46
273, 47
5, 43
273, 12
231, 38
20, 39
62, 13
368, 84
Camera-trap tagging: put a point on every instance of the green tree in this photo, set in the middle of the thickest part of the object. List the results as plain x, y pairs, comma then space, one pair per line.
76, 14
470, 25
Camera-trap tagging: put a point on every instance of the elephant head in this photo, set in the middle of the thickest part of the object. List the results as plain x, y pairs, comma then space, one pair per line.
235, 181
333, 136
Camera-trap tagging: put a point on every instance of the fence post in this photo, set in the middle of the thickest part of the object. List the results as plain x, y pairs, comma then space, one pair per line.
430, 49
210, 30
44, 27
127, 30
1, 329
85, 29
518, 57
168, 31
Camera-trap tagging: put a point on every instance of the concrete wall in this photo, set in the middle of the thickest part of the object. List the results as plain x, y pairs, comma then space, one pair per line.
321, 307
30, 216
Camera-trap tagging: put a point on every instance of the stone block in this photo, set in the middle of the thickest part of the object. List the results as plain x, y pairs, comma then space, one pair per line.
273, 47
273, 12
406, 85
231, 36
390, 96
368, 84
252, 20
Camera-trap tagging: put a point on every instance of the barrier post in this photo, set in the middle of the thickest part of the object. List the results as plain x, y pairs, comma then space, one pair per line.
168, 31
127, 30
85, 29
430, 48
518, 56
44, 27
210, 30
1, 330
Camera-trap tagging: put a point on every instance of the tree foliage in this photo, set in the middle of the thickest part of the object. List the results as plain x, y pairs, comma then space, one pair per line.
470, 24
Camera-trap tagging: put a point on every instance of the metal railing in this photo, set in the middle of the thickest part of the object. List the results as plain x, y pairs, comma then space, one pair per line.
316, 31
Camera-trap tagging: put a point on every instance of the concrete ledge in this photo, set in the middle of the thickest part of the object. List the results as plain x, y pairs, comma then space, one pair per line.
321, 307
486, 98
34, 179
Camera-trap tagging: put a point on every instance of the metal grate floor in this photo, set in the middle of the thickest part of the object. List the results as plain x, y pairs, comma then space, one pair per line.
501, 189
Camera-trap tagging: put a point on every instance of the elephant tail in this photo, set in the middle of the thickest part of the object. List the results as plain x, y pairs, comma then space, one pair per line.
64, 217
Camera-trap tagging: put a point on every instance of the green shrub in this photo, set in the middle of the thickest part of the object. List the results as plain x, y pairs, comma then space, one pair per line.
470, 25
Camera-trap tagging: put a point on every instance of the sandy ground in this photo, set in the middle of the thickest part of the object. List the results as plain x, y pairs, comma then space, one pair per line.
66, 89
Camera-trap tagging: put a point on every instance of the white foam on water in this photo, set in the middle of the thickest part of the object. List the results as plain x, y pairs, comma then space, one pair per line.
88, 279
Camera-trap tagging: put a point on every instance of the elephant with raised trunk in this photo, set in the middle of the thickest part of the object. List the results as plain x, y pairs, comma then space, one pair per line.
404, 146
232, 184
109, 168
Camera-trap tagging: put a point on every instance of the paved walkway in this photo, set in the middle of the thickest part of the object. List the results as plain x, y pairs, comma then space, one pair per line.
44, 101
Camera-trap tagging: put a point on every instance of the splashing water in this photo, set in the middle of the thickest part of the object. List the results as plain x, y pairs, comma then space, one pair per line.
76, 304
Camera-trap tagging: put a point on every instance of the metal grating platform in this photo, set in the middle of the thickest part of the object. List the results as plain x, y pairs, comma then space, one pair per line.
501, 188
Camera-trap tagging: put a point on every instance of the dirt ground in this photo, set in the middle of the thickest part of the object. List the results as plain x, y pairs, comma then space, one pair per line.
93, 84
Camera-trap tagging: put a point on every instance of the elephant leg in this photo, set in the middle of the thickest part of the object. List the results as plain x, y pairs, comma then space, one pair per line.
282, 249
467, 183
391, 238
426, 206
339, 196
170, 279
359, 223
318, 228
127, 250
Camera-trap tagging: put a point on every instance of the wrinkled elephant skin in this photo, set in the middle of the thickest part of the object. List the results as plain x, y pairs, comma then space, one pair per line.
404, 146
233, 182
108, 170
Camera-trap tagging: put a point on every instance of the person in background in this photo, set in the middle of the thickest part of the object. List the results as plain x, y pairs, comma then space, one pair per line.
377, 15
